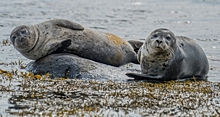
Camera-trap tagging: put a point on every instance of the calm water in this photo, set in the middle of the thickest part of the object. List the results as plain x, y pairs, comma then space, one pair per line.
130, 19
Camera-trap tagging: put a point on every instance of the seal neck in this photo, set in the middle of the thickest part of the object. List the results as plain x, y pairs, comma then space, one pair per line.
36, 37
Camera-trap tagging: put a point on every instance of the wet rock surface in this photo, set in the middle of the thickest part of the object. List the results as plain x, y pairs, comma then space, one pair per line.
72, 66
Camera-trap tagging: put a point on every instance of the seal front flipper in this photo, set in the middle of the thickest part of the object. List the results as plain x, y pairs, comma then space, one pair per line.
145, 77
67, 24
58, 46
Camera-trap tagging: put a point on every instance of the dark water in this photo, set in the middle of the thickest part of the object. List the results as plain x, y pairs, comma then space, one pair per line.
131, 19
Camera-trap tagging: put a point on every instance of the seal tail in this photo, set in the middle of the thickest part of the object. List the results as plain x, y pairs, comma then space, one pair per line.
135, 60
135, 45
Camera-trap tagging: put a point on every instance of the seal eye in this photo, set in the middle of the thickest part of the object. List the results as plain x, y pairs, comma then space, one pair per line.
168, 37
13, 37
24, 32
155, 36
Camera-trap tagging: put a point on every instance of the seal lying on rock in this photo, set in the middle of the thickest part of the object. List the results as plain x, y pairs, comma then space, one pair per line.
63, 36
135, 44
164, 56
65, 65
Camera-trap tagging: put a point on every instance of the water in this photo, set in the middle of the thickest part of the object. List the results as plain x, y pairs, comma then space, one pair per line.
131, 19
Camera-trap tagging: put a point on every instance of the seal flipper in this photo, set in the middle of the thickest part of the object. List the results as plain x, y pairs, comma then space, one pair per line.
67, 24
145, 77
58, 47
135, 44
64, 45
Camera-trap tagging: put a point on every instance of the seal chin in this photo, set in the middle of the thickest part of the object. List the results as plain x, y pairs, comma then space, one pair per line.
23, 38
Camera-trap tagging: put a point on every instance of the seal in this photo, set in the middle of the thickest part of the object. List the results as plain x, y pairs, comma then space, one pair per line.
63, 36
135, 44
164, 57
65, 65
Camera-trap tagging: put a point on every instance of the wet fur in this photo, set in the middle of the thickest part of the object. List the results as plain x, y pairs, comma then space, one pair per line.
63, 36
183, 60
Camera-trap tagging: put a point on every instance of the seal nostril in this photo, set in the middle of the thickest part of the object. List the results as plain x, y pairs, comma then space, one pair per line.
158, 41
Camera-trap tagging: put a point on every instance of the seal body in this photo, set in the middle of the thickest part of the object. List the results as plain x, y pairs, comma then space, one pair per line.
64, 65
164, 56
63, 36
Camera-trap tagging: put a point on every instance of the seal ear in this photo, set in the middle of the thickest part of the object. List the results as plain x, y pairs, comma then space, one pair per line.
145, 77
135, 44
67, 24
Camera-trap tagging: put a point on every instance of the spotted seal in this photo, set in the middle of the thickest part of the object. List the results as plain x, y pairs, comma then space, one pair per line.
63, 36
164, 56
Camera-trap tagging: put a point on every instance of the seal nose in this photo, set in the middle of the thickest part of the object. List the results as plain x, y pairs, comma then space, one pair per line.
158, 41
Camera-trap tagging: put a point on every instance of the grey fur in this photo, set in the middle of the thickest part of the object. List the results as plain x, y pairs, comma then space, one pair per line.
63, 36
165, 56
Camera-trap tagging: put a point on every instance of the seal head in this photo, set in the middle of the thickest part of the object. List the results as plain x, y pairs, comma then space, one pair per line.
161, 40
24, 38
